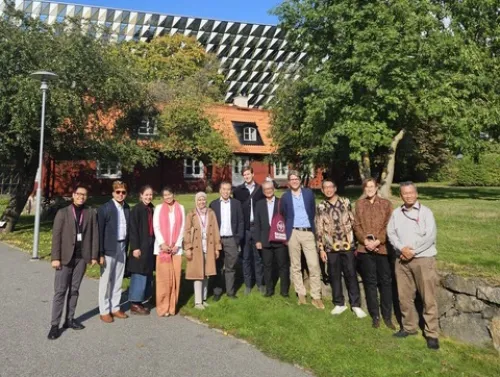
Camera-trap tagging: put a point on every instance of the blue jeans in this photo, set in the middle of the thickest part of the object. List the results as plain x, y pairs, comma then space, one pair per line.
140, 287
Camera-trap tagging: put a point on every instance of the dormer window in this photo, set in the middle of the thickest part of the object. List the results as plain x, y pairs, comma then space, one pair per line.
147, 127
249, 134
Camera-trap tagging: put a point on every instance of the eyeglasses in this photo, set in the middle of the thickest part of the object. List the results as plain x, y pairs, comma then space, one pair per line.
120, 192
81, 194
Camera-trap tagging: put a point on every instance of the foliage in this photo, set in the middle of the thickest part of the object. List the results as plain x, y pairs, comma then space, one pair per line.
484, 172
378, 68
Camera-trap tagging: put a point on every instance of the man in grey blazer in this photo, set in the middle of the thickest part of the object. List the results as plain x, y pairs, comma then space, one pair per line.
74, 244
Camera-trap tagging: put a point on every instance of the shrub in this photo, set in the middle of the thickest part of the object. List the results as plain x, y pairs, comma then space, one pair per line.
484, 173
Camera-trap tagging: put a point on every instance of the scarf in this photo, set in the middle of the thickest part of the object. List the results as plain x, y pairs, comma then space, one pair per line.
170, 237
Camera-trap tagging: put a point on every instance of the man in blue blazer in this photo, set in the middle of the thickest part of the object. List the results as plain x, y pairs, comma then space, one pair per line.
113, 219
231, 228
298, 208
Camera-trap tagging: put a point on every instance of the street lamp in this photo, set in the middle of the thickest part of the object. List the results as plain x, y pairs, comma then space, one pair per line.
44, 77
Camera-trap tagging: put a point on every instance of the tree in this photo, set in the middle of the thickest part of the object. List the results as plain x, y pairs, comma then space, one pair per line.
93, 82
379, 70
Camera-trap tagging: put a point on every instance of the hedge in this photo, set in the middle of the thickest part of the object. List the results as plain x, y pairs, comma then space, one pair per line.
484, 173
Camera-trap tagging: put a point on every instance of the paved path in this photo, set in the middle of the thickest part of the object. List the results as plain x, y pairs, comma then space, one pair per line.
138, 346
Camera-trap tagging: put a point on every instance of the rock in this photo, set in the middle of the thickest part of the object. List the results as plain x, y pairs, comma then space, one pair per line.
469, 304
490, 312
495, 332
445, 300
469, 328
490, 294
461, 285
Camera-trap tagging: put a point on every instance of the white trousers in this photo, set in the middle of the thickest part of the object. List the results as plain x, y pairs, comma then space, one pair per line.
200, 291
110, 283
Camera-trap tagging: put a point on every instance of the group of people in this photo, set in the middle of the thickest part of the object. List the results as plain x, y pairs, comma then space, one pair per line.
272, 236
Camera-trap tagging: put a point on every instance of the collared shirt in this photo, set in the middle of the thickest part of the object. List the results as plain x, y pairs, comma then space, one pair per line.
333, 223
300, 220
251, 188
225, 218
270, 208
415, 228
122, 222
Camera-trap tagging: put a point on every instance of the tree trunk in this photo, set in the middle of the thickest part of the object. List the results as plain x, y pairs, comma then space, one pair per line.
364, 166
20, 196
388, 172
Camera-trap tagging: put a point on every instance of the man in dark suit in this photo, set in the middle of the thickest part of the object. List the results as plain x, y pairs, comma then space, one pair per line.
230, 219
74, 244
298, 207
248, 194
113, 219
271, 251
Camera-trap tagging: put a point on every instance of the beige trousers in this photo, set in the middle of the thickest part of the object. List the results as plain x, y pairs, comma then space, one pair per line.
304, 241
420, 275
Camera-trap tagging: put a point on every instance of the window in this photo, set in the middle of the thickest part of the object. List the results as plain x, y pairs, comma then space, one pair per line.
193, 168
108, 170
280, 169
147, 127
249, 134
239, 163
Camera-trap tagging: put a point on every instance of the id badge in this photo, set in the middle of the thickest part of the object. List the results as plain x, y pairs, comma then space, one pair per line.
204, 236
79, 237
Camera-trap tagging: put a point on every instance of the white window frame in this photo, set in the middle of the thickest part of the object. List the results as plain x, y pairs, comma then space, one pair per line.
192, 163
280, 166
147, 127
249, 134
104, 170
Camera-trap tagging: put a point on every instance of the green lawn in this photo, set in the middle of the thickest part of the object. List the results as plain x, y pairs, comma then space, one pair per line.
469, 242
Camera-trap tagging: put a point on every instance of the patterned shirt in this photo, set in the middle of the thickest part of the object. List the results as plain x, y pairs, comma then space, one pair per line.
334, 224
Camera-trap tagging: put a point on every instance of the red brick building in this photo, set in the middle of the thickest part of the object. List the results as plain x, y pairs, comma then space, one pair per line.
247, 131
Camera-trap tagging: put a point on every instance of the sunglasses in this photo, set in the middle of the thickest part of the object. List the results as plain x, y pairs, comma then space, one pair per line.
122, 192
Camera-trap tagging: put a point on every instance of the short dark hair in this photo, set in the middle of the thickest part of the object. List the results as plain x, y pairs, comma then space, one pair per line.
247, 168
79, 186
406, 184
225, 183
328, 180
167, 189
144, 188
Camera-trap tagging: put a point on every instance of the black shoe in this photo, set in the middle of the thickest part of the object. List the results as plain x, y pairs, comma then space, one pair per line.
376, 323
268, 294
54, 332
404, 334
73, 324
232, 297
433, 343
285, 295
216, 298
389, 324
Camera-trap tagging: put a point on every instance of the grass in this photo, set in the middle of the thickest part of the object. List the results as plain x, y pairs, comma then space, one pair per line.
468, 243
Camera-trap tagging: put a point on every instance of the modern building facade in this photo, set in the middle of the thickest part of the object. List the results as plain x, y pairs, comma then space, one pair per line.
252, 56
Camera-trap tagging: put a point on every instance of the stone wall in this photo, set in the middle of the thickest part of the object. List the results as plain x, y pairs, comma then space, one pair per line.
469, 310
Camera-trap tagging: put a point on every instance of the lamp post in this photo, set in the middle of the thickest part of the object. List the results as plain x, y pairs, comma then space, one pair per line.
44, 77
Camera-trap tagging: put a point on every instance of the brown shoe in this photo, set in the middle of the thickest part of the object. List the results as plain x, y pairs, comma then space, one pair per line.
138, 309
106, 318
302, 300
119, 314
318, 304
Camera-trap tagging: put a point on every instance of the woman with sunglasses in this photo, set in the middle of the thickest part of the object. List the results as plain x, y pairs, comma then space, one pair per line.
168, 225
113, 222
141, 259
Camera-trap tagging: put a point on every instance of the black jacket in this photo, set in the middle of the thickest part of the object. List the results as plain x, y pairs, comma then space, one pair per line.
242, 194
237, 225
107, 220
140, 239
262, 226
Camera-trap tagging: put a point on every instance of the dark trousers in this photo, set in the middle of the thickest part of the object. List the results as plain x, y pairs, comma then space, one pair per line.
226, 267
276, 254
252, 261
343, 263
376, 272
67, 279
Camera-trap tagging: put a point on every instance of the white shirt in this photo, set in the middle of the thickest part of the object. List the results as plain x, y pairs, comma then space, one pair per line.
251, 188
225, 218
270, 209
159, 240
122, 222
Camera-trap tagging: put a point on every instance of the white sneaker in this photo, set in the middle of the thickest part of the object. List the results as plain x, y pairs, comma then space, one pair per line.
338, 310
205, 304
359, 312
199, 307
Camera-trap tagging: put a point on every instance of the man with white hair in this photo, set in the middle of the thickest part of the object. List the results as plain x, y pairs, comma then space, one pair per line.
412, 233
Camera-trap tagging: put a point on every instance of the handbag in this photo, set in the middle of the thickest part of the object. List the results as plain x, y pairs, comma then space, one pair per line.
277, 232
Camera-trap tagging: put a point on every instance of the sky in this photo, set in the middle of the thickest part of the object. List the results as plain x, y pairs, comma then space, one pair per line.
251, 11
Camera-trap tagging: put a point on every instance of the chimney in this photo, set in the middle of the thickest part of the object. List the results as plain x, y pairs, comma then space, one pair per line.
241, 101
